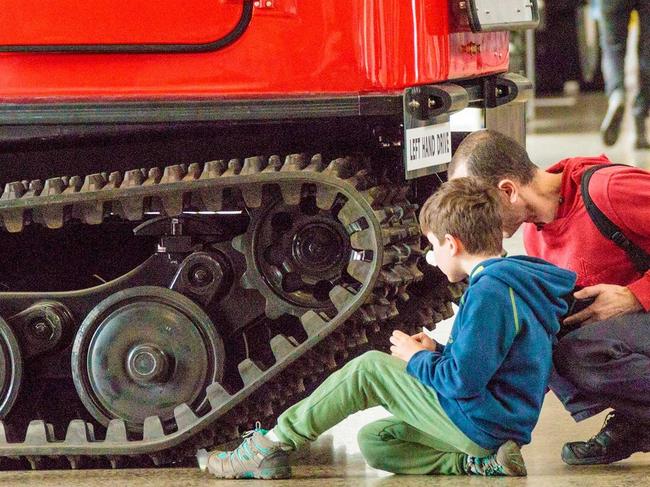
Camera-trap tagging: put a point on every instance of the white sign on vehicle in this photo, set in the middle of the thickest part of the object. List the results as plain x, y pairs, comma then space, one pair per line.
428, 146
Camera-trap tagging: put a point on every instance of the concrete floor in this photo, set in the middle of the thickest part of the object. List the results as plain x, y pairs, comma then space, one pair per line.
563, 127
334, 460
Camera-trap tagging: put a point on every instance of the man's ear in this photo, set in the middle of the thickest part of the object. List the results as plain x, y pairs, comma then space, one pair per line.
510, 189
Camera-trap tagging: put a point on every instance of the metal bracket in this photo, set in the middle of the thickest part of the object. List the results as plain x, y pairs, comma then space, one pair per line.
426, 103
200, 276
175, 233
507, 88
429, 105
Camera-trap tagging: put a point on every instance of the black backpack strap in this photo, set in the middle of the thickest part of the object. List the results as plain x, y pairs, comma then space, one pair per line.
637, 255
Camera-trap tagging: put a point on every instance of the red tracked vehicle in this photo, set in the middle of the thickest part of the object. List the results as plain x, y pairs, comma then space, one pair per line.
212, 204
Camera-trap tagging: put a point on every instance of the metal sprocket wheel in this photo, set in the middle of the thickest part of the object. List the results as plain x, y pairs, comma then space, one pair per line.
142, 352
295, 254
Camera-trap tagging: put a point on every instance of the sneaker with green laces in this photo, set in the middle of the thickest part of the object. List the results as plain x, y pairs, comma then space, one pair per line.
257, 457
507, 461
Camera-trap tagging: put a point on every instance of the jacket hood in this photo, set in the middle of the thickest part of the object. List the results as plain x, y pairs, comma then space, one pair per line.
540, 284
575, 166
572, 170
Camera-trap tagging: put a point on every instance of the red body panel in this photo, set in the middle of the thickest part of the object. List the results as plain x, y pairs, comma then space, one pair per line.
292, 47
115, 21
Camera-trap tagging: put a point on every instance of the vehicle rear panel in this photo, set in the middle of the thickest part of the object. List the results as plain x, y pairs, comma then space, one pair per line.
289, 48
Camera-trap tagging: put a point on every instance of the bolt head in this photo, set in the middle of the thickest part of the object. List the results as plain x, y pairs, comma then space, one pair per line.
42, 330
414, 105
147, 363
201, 276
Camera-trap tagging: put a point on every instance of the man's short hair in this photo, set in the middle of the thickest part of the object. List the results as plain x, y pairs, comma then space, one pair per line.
493, 156
468, 209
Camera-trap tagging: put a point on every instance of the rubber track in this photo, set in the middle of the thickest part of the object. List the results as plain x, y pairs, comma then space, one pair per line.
382, 225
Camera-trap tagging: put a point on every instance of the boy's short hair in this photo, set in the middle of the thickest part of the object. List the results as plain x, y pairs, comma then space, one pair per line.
468, 209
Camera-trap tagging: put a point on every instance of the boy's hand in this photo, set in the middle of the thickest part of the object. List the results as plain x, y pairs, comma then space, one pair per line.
426, 341
405, 346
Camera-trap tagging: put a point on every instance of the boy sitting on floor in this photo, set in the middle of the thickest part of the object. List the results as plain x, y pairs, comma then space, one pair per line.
457, 409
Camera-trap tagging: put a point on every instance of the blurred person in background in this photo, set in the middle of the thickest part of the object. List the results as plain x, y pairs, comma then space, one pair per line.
613, 19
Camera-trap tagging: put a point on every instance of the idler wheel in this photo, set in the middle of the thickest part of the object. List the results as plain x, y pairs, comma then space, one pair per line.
142, 352
11, 368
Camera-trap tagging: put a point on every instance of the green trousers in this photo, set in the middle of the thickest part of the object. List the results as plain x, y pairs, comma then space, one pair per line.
418, 439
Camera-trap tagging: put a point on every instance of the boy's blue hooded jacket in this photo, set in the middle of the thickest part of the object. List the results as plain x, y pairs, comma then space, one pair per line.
491, 376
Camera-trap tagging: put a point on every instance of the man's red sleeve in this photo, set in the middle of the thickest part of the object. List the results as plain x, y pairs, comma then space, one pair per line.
628, 206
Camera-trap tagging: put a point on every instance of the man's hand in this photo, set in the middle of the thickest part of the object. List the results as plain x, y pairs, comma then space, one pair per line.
405, 346
611, 301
